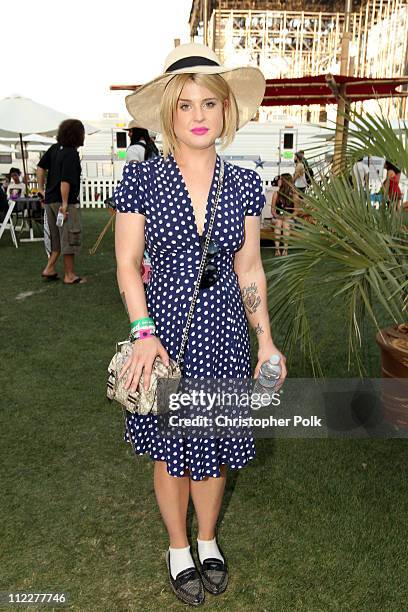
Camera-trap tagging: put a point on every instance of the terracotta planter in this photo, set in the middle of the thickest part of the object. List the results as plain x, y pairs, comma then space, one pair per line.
393, 342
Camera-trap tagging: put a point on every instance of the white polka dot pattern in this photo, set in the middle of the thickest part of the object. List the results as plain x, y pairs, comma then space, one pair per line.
218, 344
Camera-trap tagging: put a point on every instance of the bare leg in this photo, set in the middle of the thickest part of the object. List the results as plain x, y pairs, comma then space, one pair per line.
286, 231
69, 274
278, 225
52, 260
207, 498
172, 495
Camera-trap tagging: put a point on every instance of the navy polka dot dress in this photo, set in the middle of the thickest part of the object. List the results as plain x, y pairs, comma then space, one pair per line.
218, 342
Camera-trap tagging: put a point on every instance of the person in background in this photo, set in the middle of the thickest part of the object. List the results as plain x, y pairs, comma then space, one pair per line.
61, 164
153, 137
16, 187
299, 177
141, 146
309, 174
392, 194
285, 204
3, 203
361, 173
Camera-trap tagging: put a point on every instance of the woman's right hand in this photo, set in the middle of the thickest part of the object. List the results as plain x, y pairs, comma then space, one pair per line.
144, 353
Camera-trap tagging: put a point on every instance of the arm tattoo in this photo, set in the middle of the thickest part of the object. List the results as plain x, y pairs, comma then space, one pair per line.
122, 295
258, 330
250, 297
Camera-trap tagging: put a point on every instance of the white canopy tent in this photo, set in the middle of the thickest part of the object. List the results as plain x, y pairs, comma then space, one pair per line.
5, 149
19, 115
39, 139
23, 117
37, 142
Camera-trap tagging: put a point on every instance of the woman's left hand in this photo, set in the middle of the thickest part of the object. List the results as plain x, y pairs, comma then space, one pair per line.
264, 354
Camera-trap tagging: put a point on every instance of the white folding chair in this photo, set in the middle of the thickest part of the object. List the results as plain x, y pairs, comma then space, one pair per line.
7, 224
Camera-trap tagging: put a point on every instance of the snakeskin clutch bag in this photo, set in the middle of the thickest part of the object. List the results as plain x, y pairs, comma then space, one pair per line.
141, 401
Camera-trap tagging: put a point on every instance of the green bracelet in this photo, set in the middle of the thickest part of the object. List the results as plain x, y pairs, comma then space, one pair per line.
142, 326
143, 321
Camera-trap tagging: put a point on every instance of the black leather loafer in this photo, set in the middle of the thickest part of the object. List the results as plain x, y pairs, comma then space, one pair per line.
214, 574
188, 585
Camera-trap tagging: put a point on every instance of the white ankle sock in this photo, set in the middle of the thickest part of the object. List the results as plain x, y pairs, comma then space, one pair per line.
180, 559
209, 549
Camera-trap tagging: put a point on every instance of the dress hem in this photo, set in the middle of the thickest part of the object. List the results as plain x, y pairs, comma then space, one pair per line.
236, 467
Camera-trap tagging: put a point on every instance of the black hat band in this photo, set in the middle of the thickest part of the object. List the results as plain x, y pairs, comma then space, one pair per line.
191, 62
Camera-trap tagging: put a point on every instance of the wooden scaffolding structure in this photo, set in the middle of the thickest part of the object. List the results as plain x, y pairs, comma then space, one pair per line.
306, 38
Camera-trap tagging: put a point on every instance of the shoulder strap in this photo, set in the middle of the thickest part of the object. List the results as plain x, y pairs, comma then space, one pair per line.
202, 266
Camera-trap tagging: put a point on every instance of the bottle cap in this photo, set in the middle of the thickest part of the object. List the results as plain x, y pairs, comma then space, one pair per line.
274, 359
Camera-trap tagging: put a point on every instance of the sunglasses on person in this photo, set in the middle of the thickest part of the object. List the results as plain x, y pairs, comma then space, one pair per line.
210, 274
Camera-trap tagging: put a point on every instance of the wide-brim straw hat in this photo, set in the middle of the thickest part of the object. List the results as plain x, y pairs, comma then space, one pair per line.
247, 83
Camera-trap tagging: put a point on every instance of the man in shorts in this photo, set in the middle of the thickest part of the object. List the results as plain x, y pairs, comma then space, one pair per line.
62, 167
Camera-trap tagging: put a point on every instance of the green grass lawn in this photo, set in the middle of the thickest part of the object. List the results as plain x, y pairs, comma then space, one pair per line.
309, 525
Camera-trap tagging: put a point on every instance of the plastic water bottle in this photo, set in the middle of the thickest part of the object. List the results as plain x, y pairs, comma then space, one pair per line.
60, 219
268, 376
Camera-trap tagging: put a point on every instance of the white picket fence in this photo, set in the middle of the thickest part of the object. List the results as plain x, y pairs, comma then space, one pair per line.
95, 191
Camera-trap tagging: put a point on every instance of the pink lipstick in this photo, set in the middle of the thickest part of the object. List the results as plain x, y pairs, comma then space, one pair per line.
199, 131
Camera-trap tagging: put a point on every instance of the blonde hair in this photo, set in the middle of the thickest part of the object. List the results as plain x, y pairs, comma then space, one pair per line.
168, 106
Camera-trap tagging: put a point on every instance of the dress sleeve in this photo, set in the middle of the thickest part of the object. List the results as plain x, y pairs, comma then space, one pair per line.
255, 196
130, 194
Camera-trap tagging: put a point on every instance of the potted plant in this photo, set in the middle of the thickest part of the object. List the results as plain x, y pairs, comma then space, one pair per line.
353, 252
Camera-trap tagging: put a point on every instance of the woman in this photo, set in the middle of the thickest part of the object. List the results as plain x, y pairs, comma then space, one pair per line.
299, 177
173, 196
284, 207
392, 193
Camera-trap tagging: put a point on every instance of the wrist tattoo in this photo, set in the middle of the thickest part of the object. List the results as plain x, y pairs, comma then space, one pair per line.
250, 297
258, 330
122, 295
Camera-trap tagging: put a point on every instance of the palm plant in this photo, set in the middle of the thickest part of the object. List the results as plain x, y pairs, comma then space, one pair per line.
351, 251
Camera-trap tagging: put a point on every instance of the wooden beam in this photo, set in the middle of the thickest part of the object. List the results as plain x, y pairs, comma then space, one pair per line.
339, 144
373, 96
